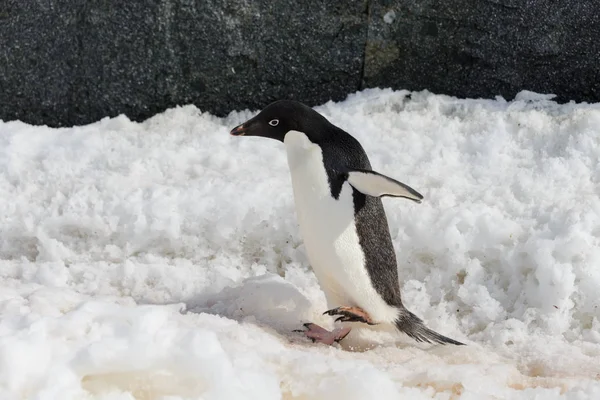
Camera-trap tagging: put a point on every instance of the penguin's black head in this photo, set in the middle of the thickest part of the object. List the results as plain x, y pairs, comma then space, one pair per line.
280, 117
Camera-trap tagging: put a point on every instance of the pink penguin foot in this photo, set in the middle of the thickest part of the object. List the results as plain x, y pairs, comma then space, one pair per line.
322, 335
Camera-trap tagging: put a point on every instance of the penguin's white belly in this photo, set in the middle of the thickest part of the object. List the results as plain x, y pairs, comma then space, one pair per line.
329, 232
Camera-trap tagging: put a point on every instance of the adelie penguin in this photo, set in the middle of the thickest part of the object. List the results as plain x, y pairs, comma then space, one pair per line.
342, 220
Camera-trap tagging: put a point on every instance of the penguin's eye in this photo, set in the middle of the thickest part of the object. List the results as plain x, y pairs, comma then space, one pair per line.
274, 122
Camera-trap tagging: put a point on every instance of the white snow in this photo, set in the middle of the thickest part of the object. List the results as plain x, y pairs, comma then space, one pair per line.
389, 17
162, 260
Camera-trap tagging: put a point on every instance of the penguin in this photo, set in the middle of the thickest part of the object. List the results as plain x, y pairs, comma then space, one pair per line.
342, 221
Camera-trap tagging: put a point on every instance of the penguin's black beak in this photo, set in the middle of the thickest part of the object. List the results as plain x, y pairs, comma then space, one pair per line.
238, 130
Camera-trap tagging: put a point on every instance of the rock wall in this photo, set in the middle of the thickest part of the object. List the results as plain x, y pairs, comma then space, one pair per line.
66, 62
484, 48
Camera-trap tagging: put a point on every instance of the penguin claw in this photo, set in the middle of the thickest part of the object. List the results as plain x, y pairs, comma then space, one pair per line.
306, 325
350, 314
318, 334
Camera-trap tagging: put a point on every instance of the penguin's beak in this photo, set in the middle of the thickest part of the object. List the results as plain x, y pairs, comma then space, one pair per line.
239, 130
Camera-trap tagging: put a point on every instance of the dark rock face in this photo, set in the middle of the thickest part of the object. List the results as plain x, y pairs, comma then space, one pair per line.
66, 62
73, 62
38, 61
484, 48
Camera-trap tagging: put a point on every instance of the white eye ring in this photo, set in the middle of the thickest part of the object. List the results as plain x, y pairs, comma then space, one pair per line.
274, 122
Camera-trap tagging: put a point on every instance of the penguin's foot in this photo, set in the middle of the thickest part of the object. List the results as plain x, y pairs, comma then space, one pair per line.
350, 314
318, 334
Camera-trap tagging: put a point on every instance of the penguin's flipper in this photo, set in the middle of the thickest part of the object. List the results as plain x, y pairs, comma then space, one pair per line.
375, 184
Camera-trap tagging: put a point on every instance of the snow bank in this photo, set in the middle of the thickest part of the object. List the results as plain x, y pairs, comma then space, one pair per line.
162, 260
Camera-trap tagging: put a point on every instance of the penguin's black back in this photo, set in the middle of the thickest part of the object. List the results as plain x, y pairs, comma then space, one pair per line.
341, 152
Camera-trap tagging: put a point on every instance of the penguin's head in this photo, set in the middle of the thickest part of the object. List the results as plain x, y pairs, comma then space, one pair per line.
280, 117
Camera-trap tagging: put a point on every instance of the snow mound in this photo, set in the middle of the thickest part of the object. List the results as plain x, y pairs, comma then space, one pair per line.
162, 260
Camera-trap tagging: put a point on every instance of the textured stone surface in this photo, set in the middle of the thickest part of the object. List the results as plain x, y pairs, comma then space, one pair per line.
38, 61
484, 48
73, 62
65, 62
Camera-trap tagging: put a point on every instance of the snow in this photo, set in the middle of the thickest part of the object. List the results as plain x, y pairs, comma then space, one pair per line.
162, 260
389, 17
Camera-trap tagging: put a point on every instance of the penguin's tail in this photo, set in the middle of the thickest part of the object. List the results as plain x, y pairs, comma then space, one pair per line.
412, 325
